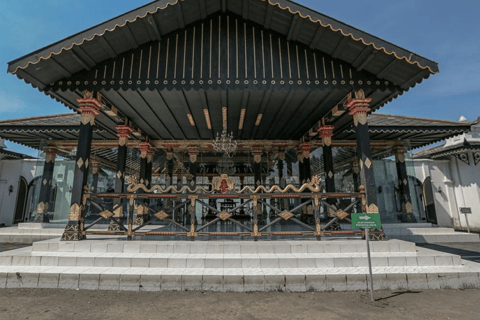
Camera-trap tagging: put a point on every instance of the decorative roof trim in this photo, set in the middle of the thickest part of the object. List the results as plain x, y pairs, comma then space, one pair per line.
464, 123
39, 118
345, 34
270, 2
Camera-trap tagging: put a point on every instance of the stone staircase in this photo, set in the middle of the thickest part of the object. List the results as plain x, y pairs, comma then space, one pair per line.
232, 266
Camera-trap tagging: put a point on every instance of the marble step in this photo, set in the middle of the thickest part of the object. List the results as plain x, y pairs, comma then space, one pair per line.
420, 231
239, 280
222, 247
25, 238
439, 238
157, 260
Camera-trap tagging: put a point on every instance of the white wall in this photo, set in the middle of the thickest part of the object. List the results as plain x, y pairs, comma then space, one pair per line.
460, 187
10, 172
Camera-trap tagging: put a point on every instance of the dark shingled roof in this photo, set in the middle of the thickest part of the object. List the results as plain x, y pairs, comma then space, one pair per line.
13, 155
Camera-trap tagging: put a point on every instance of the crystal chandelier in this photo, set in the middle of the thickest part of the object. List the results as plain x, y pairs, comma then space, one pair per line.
224, 143
226, 166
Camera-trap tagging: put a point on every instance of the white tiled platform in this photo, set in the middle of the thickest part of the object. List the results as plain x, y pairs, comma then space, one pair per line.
30, 232
426, 233
232, 266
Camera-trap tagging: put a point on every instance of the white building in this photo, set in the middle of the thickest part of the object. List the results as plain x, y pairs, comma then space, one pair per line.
17, 173
450, 178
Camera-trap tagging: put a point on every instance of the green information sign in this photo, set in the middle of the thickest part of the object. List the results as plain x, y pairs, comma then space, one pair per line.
366, 221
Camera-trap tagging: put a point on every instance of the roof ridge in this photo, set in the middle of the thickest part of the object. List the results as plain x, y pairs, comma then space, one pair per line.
38, 118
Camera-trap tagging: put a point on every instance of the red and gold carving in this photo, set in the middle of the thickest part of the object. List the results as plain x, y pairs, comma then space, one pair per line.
318, 229
42, 207
50, 154
123, 134
75, 212
89, 107
145, 148
257, 154
106, 214
224, 216
162, 215
118, 211
326, 134
224, 184
359, 107
305, 149
193, 153
340, 214
400, 154
95, 166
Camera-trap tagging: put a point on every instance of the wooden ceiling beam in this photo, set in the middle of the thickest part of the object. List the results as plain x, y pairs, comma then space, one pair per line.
129, 35
203, 9
153, 26
293, 32
59, 68
245, 9
86, 65
180, 19
317, 37
106, 47
268, 17
339, 47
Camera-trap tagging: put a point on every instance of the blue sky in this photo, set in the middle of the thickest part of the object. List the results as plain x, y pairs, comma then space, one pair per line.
441, 30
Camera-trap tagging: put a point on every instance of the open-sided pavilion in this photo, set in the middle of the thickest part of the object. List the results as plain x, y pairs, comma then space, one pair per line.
162, 81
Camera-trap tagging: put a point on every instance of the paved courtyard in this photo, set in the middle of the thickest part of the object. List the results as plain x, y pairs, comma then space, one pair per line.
70, 304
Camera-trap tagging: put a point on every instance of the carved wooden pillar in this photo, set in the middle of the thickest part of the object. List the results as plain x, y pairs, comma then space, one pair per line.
123, 133
303, 154
257, 166
404, 186
301, 170
326, 133
146, 159
95, 171
280, 166
359, 108
193, 165
356, 184
46, 187
170, 168
89, 108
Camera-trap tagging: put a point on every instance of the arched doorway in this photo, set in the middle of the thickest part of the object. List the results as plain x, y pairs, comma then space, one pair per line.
429, 201
21, 202
32, 198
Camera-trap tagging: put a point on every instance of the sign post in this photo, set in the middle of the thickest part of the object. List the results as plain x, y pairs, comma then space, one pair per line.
466, 212
367, 221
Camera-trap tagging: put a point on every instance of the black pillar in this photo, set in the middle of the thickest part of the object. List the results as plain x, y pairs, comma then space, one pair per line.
404, 187
119, 186
307, 170
257, 169
46, 186
356, 183
330, 184
359, 109
146, 164
89, 108
95, 172
280, 166
257, 165
328, 168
